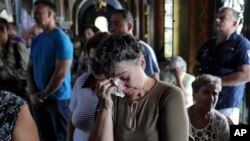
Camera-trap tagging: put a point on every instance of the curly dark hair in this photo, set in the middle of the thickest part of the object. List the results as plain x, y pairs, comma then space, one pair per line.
96, 40
93, 27
89, 26
116, 48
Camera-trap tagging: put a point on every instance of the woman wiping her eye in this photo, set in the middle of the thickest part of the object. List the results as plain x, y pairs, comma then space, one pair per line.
150, 111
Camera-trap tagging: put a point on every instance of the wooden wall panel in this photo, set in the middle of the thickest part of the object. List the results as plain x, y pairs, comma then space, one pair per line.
158, 25
200, 27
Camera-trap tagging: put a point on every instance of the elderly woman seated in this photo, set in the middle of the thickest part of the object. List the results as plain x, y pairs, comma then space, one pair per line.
206, 123
175, 72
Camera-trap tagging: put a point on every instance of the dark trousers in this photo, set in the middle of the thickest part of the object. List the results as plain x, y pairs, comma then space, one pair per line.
51, 118
248, 100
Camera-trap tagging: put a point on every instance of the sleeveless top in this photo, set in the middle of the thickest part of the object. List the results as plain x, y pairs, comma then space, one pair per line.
10, 107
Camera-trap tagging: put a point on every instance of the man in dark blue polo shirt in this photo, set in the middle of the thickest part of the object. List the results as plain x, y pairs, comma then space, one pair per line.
227, 55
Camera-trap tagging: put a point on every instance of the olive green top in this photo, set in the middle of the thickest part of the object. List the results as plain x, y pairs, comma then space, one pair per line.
159, 116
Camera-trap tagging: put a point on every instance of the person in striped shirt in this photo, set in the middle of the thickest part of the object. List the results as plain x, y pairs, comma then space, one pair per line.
83, 101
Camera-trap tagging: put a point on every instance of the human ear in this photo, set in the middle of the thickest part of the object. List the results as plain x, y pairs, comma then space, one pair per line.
235, 23
50, 13
130, 26
142, 62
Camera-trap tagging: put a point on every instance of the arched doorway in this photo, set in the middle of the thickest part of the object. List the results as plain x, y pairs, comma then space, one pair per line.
87, 11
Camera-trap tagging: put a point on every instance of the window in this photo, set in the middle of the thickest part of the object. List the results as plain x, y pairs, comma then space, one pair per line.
168, 27
102, 23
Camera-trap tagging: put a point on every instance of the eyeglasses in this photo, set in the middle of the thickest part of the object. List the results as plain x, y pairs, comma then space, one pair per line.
132, 121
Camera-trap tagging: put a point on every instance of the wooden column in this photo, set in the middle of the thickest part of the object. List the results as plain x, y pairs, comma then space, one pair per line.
142, 25
158, 38
201, 17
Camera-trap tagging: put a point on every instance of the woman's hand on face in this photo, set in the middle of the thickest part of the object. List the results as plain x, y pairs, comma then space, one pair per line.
177, 72
104, 89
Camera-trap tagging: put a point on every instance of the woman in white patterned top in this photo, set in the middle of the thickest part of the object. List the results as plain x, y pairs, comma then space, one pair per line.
206, 123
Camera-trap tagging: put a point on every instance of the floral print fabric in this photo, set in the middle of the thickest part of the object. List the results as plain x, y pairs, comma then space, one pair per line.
10, 106
216, 130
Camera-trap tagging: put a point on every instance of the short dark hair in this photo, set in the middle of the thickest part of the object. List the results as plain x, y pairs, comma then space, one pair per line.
91, 26
116, 48
236, 14
127, 15
4, 22
47, 3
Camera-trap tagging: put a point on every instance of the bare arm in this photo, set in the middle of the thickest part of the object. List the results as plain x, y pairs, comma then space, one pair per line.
25, 128
237, 78
61, 69
30, 79
103, 129
70, 128
33, 92
178, 75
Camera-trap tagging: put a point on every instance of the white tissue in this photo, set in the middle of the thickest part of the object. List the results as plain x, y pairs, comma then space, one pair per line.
117, 91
